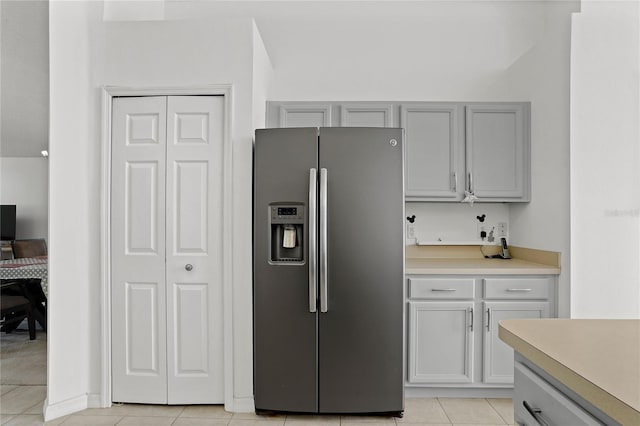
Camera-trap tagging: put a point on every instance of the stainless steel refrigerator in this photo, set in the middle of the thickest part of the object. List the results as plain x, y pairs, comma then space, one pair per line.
328, 247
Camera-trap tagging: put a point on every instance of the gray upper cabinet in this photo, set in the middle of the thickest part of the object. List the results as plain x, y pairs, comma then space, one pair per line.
299, 114
497, 151
482, 148
434, 160
366, 115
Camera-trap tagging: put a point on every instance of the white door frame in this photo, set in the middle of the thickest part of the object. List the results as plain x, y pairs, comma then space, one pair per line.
108, 93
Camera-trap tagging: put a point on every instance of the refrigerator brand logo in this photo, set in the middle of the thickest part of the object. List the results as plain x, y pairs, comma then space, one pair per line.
393, 142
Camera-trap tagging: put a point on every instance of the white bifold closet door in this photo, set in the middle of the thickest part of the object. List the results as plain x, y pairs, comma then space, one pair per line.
166, 249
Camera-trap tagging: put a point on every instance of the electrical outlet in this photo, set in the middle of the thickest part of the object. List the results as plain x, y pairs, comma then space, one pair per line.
411, 230
502, 229
482, 227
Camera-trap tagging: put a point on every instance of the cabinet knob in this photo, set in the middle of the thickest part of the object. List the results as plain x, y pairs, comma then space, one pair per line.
188, 267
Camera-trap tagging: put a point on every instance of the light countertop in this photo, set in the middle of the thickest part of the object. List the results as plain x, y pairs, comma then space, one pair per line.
470, 260
597, 359
478, 267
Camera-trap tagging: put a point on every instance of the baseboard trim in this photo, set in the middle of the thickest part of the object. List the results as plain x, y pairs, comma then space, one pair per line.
417, 392
94, 400
66, 407
241, 405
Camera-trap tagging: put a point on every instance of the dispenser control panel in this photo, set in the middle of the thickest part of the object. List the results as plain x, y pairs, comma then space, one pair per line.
286, 236
287, 214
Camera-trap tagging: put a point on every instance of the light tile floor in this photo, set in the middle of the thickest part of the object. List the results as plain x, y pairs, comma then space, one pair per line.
23, 390
418, 411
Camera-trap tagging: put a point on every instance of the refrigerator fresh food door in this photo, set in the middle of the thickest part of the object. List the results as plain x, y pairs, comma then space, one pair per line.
361, 332
285, 324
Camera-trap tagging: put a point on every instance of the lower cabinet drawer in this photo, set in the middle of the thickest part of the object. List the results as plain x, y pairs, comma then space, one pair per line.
516, 288
536, 402
441, 288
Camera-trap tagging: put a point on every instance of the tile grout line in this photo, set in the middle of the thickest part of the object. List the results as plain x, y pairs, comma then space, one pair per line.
444, 411
494, 409
499, 414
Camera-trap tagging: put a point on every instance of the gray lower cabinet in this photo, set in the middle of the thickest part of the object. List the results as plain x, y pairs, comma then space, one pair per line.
448, 316
448, 324
537, 402
497, 355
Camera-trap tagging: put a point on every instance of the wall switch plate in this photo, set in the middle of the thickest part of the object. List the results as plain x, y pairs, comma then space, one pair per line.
411, 230
502, 229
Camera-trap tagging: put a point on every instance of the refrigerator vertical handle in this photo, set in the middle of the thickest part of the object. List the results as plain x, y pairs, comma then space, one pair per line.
313, 234
324, 302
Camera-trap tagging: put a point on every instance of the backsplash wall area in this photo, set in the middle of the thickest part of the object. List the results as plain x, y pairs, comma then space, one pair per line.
455, 223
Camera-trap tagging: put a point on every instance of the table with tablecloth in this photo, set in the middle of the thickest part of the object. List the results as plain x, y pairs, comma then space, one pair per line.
26, 268
17, 271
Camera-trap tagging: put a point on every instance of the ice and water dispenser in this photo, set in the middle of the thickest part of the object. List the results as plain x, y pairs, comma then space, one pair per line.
286, 233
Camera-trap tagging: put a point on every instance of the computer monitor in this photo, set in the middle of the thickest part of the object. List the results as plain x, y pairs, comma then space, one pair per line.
7, 222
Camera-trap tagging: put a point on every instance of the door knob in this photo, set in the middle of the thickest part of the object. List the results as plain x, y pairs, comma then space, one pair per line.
188, 266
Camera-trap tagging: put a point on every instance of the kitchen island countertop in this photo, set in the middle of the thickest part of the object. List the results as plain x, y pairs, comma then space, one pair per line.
599, 360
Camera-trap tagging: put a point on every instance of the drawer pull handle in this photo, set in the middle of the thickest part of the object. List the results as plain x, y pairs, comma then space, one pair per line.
443, 289
520, 290
536, 413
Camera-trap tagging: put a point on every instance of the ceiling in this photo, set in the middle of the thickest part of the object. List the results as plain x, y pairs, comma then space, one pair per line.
288, 28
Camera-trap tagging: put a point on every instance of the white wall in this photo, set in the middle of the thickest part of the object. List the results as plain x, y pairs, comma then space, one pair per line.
262, 79
541, 75
24, 182
88, 52
455, 222
457, 51
453, 51
201, 52
73, 207
605, 161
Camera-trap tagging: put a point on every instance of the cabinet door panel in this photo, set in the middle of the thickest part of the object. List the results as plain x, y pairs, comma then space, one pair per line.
497, 146
363, 115
432, 160
440, 342
498, 356
311, 115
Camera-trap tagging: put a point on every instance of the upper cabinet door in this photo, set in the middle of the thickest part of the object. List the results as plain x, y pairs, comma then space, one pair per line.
301, 115
433, 159
366, 115
497, 145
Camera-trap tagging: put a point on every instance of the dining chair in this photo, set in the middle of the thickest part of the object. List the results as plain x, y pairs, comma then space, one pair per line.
13, 309
29, 248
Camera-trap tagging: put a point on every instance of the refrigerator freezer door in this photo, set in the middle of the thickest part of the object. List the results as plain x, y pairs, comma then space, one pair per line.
285, 339
361, 334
